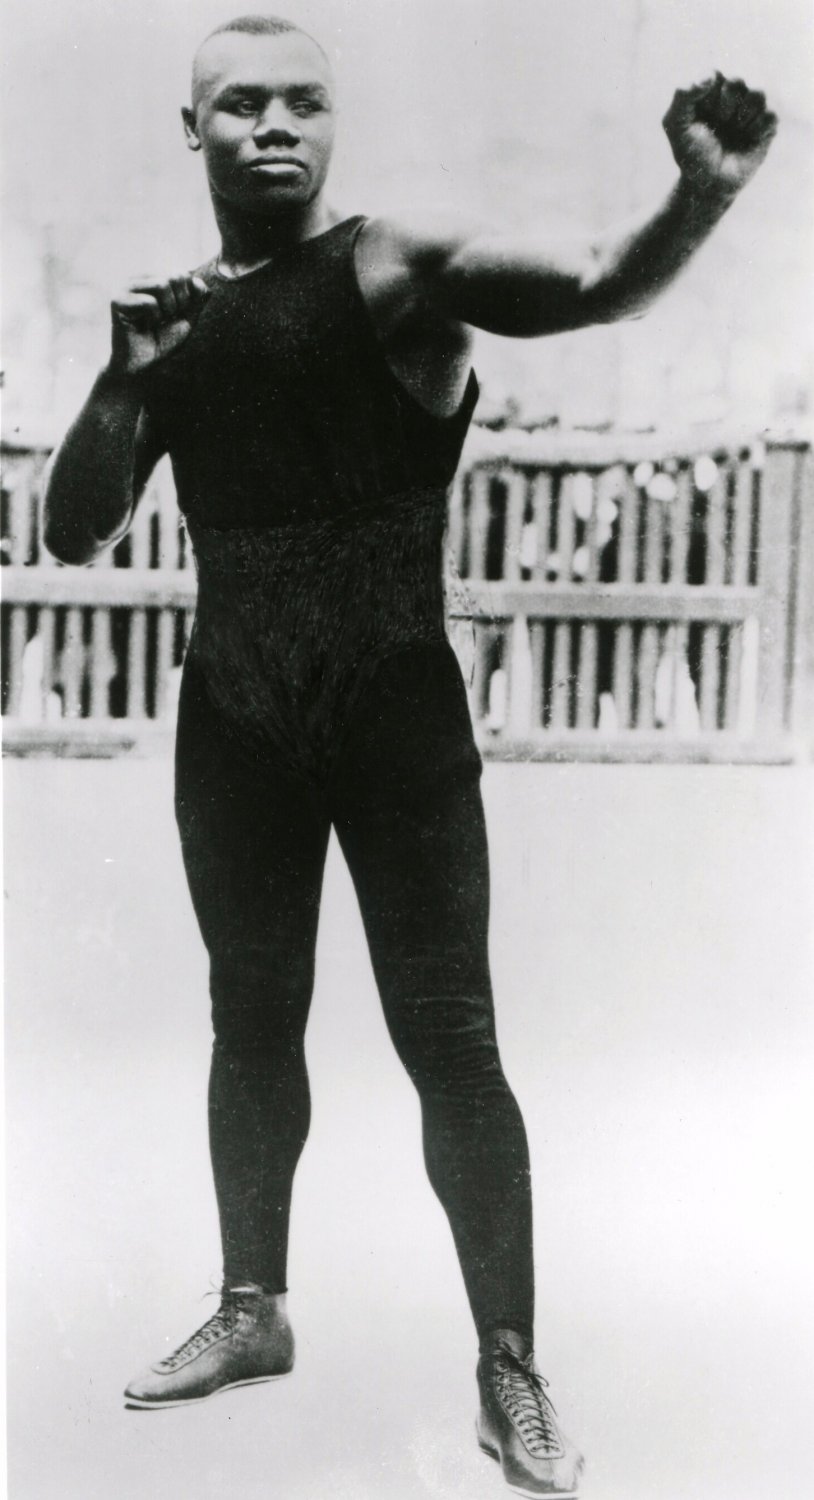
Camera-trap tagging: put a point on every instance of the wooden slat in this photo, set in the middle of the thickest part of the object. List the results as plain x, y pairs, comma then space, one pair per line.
565, 528
710, 677
72, 664
102, 663
626, 573
654, 524
679, 533
20, 486
537, 637
145, 588
680, 526
18, 633
741, 523
649, 639
46, 617
709, 690
623, 675
541, 488
497, 684
515, 483
137, 638
647, 658
521, 670
102, 659
592, 450
455, 522
168, 558
715, 530
734, 648
586, 677
479, 522
484, 635
801, 622
103, 739
100, 587
561, 685
610, 601
629, 502
165, 644
47, 631
561, 676
588, 638
18, 483
189, 618
740, 480
640, 747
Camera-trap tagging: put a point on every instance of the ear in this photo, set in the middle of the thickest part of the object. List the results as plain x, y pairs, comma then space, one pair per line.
190, 129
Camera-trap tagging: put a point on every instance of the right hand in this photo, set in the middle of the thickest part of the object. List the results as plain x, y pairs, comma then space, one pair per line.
152, 319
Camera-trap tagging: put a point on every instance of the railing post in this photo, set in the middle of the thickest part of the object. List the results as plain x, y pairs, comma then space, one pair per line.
802, 662
774, 574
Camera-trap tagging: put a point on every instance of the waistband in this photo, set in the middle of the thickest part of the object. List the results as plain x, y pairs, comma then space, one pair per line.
429, 500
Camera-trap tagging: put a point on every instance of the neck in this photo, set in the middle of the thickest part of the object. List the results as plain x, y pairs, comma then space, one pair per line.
247, 242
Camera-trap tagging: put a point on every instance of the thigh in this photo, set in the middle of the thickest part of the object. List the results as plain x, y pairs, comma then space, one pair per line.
409, 816
254, 839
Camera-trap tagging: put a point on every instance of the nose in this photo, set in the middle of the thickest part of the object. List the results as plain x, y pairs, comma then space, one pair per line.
277, 126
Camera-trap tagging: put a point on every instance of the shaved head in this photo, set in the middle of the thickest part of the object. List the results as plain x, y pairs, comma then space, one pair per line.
263, 115
260, 26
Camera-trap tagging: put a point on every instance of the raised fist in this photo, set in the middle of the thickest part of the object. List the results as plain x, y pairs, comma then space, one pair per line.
152, 319
719, 131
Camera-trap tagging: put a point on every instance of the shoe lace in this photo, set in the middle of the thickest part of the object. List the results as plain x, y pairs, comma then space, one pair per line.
217, 1327
521, 1390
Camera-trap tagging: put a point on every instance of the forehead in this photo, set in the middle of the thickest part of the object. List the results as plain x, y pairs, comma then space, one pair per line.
265, 61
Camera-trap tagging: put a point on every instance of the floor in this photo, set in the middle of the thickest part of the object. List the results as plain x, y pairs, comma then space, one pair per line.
653, 951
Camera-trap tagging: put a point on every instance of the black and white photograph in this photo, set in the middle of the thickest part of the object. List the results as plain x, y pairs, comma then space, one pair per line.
408, 749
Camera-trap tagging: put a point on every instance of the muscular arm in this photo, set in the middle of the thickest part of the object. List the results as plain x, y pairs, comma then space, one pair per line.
522, 287
101, 468
99, 471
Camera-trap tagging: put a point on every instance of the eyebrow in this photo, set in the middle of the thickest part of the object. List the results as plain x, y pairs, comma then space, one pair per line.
239, 90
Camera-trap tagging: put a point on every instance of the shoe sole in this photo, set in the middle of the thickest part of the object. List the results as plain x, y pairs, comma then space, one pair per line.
137, 1403
492, 1452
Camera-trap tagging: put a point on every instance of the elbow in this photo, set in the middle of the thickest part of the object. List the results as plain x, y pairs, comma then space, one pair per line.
604, 295
67, 550
65, 547
605, 304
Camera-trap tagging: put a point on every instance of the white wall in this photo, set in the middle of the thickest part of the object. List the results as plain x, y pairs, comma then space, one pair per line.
531, 112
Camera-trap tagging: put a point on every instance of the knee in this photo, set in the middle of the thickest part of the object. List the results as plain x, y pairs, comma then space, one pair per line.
449, 1048
260, 999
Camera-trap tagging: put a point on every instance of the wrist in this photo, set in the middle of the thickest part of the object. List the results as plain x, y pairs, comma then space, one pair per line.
115, 381
706, 198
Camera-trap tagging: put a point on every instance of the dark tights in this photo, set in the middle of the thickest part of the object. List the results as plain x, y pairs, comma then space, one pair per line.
403, 794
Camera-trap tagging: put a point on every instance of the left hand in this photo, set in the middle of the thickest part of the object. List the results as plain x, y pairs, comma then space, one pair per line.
720, 132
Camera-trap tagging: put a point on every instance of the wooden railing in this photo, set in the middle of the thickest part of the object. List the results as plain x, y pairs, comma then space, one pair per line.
609, 597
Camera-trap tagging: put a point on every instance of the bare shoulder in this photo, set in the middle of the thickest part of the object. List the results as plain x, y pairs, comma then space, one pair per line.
411, 244
397, 258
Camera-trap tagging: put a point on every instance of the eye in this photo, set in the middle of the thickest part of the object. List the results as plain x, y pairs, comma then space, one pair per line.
245, 107
305, 107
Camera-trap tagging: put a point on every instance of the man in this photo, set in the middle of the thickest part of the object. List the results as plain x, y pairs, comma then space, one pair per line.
312, 386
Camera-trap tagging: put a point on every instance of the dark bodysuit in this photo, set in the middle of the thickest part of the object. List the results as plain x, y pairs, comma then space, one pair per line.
320, 690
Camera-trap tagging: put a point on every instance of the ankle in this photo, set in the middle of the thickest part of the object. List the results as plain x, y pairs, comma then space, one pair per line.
519, 1338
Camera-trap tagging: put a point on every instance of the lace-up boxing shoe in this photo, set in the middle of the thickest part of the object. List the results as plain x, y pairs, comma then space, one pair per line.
518, 1425
248, 1340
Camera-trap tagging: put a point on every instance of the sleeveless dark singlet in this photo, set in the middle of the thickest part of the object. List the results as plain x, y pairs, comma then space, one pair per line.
313, 487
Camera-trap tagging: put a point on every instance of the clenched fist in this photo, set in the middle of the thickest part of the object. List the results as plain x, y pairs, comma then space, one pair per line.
719, 131
152, 319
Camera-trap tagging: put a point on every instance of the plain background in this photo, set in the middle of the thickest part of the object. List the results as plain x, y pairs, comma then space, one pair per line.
652, 928
538, 114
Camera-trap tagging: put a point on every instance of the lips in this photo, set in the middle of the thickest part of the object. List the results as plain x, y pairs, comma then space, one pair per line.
276, 161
